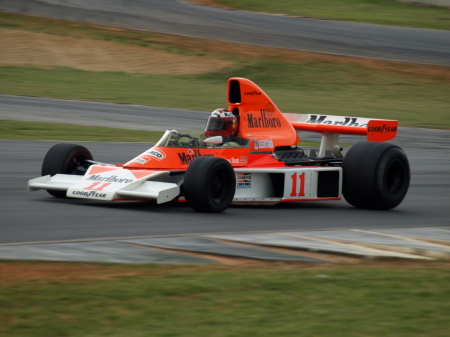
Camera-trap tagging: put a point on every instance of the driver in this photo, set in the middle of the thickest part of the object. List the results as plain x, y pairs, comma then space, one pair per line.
223, 123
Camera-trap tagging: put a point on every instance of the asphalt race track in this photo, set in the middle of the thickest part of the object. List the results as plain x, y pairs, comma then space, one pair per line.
36, 216
124, 116
182, 18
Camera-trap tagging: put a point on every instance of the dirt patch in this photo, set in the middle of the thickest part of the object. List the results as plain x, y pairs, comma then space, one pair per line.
209, 3
20, 271
47, 50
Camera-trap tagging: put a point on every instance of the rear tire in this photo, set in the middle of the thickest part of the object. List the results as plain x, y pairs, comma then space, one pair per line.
209, 185
65, 159
375, 175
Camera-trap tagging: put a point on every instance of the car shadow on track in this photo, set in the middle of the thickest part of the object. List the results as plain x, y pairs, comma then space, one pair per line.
152, 206
334, 209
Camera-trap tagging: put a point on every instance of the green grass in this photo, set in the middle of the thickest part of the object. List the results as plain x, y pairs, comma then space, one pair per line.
313, 87
189, 92
383, 12
112, 300
19, 130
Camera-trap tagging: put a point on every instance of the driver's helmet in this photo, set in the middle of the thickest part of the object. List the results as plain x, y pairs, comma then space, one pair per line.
221, 123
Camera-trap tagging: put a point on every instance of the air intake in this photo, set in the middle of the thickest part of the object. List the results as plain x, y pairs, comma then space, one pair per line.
235, 92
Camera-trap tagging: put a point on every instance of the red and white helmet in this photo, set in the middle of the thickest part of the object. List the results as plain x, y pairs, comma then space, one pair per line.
221, 123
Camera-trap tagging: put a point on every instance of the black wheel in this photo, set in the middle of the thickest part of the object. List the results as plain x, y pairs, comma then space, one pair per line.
209, 185
65, 159
375, 175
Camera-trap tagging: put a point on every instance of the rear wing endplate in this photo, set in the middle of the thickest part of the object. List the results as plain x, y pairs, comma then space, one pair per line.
376, 130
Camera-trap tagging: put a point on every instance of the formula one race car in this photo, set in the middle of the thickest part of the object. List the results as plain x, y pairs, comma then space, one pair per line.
250, 156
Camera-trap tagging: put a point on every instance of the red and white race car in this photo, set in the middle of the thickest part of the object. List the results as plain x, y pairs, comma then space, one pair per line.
250, 156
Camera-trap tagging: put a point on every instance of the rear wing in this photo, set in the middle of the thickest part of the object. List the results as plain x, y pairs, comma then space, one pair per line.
376, 130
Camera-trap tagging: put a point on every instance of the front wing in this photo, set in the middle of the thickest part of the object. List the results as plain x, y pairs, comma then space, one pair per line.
110, 183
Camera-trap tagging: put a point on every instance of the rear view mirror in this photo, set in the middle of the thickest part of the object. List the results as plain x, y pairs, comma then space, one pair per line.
214, 140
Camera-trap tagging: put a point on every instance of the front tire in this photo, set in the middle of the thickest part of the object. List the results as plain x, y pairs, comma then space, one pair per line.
209, 185
375, 175
65, 159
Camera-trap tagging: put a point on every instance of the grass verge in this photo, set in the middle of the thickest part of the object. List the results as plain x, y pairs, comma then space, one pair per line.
19, 130
62, 299
382, 12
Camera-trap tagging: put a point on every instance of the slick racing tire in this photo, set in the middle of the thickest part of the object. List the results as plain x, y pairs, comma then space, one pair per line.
209, 185
65, 159
375, 175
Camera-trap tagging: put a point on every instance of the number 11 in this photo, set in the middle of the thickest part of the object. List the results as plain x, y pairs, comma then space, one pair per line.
294, 185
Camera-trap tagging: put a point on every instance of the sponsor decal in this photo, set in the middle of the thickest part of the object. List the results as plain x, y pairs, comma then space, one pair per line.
269, 109
157, 154
140, 160
190, 156
255, 144
253, 93
98, 186
244, 180
263, 120
240, 160
91, 194
265, 144
382, 129
111, 179
348, 121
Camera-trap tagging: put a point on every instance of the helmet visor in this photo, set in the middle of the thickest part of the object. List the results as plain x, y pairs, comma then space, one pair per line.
218, 124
